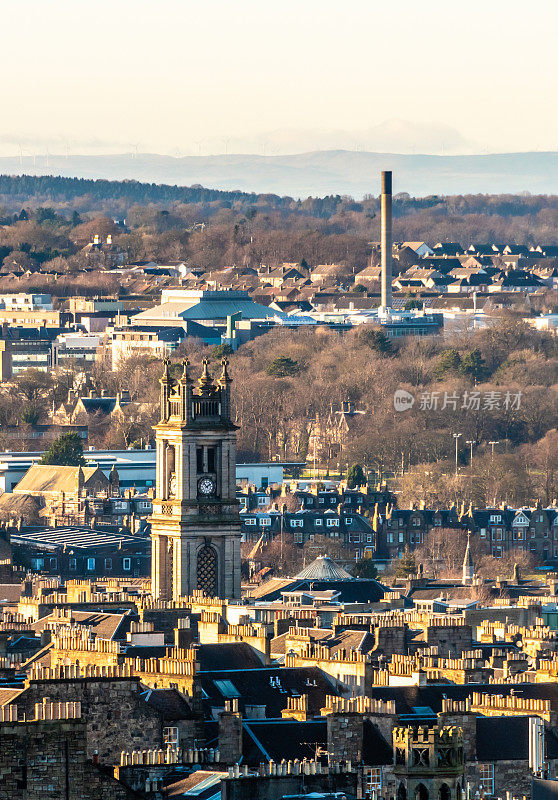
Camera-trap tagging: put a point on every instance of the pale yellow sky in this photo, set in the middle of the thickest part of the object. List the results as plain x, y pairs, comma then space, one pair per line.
176, 76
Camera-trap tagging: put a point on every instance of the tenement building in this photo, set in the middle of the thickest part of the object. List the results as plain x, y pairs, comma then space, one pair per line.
195, 527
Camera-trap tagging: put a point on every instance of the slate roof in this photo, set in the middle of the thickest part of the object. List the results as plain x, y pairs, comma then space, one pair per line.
170, 703
231, 656
324, 569
47, 478
201, 784
93, 404
258, 687
289, 739
359, 590
78, 537
507, 739
105, 626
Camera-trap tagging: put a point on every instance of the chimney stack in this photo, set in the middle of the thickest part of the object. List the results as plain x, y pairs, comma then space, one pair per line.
386, 241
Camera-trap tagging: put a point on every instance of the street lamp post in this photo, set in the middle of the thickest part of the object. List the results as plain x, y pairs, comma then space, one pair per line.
492, 445
456, 437
471, 443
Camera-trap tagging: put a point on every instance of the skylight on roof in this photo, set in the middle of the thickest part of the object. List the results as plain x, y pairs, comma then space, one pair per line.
227, 688
423, 711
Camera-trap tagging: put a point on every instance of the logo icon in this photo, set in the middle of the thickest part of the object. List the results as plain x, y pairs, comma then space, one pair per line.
403, 400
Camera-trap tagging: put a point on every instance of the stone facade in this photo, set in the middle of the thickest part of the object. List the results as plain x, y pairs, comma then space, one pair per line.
47, 760
344, 737
115, 716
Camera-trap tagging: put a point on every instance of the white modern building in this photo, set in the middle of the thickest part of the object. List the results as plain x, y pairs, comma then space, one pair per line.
136, 468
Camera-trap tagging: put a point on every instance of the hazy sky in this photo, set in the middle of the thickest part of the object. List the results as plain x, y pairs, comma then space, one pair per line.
176, 76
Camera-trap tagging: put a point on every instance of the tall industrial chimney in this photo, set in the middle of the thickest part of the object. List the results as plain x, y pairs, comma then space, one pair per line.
386, 241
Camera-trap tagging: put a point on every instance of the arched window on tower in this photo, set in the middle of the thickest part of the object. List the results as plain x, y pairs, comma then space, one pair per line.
207, 570
421, 792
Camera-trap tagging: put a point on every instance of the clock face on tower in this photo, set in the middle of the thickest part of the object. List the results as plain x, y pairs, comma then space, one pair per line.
206, 486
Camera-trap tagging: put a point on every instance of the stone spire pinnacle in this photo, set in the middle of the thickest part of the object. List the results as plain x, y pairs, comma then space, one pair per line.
205, 380
468, 566
225, 377
185, 377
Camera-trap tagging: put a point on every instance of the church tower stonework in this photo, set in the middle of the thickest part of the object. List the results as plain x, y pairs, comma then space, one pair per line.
195, 526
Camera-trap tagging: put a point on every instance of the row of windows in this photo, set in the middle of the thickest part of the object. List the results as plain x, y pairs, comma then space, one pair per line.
416, 522
357, 537
497, 551
516, 533
298, 523
299, 537
52, 563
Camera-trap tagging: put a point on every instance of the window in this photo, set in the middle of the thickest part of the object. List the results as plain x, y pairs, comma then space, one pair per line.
348, 520
211, 459
332, 523
126, 564
298, 537
390, 537
483, 533
374, 781
296, 523
263, 500
416, 522
265, 521
486, 778
199, 459
318, 522
250, 521
368, 537
108, 563
321, 501
357, 537
72, 563
53, 563
401, 536
90, 564
170, 736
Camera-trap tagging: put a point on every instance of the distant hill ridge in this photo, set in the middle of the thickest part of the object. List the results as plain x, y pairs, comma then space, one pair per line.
156, 178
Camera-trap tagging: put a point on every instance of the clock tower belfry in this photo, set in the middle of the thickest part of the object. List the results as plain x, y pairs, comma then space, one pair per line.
195, 526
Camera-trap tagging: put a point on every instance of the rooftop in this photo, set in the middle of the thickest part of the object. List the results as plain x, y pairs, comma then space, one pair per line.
324, 569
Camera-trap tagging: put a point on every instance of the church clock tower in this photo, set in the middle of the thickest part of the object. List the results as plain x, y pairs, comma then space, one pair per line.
195, 526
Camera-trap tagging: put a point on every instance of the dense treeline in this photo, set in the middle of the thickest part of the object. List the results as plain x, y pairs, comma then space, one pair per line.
286, 382
46, 221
